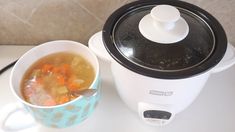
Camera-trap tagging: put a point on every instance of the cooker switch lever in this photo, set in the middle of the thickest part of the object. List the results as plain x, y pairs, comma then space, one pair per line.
156, 115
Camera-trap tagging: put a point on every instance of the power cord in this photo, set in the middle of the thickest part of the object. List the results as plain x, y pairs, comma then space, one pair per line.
7, 67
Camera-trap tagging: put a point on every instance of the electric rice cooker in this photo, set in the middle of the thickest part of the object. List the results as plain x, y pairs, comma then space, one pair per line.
162, 53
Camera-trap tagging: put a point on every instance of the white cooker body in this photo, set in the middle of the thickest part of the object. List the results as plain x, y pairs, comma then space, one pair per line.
176, 93
141, 93
157, 100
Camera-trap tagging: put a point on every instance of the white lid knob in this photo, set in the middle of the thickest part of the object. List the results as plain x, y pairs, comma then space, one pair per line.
164, 25
165, 15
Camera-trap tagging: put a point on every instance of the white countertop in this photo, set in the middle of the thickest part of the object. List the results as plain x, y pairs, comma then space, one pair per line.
212, 111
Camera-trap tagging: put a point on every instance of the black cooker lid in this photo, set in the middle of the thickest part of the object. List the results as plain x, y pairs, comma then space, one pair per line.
202, 48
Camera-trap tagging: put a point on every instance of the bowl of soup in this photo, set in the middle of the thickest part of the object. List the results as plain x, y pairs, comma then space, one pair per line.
50, 80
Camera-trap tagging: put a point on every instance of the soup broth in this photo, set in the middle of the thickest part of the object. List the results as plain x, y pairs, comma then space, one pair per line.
56, 79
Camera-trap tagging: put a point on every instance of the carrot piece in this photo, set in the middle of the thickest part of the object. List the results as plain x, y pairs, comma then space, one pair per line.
65, 69
60, 79
66, 66
49, 102
63, 99
72, 84
47, 68
55, 70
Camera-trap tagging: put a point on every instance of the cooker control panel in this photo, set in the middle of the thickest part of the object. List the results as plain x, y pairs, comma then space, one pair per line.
156, 115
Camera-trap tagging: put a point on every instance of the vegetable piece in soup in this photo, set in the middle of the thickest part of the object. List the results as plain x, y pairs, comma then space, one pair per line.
56, 79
